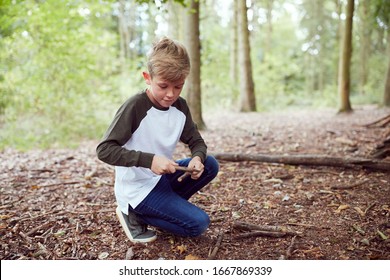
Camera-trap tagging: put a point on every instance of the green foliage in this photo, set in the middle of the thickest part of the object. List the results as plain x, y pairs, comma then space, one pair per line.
62, 76
58, 64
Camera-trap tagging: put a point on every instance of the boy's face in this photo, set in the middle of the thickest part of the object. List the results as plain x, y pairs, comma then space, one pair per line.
163, 93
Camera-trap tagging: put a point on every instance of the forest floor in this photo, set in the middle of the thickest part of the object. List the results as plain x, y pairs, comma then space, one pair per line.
59, 203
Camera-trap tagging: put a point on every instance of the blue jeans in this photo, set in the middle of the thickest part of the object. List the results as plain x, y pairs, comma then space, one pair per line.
167, 206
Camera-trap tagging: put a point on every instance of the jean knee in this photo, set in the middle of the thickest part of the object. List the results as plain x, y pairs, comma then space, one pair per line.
212, 164
200, 226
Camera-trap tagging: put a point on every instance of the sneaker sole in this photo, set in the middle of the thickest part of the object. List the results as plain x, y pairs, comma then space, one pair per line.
127, 231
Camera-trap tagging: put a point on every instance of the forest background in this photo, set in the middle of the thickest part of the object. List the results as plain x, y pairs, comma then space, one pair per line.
66, 66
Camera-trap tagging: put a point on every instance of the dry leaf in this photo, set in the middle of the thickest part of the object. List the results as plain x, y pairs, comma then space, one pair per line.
192, 257
382, 235
4, 217
103, 255
181, 248
341, 207
361, 213
268, 205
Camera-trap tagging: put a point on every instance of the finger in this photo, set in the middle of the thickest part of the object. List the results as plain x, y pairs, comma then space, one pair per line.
196, 175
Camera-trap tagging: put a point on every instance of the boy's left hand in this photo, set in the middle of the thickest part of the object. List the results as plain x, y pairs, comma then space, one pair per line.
196, 164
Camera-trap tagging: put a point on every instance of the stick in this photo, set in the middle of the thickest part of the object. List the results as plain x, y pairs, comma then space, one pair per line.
260, 233
312, 160
264, 228
344, 187
38, 228
217, 246
369, 207
386, 120
289, 249
182, 177
307, 225
187, 170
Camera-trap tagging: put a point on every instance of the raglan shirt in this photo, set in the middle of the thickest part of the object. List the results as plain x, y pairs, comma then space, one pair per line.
139, 131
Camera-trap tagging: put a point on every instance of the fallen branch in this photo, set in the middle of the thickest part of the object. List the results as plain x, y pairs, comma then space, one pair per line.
344, 187
217, 246
262, 230
379, 122
314, 160
308, 225
266, 228
258, 233
38, 228
60, 184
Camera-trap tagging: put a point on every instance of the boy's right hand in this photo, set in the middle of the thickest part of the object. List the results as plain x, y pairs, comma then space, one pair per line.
162, 165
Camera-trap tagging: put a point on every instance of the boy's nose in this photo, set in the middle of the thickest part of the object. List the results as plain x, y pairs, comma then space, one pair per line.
170, 93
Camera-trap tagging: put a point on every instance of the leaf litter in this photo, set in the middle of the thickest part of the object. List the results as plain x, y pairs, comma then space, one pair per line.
59, 203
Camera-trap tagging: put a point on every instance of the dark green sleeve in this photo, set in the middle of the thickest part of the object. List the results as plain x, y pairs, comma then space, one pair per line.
191, 135
125, 122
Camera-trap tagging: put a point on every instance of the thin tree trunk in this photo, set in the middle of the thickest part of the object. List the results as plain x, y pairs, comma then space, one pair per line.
344, 81
339, 38
234, 44
268, 43
386, 96
365, 44
175, 13
248, 100
193, 81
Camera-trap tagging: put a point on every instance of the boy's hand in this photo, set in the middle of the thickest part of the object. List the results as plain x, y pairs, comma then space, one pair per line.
196, 164
162, 165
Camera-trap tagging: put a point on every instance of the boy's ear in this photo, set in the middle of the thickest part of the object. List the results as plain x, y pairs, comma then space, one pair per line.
146, 77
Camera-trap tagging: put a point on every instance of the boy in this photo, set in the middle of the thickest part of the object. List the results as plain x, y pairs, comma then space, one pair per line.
140, 143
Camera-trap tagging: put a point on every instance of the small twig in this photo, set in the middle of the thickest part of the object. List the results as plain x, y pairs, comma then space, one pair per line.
39, 216
22, 234
358, 229
266, 228
182, 177
369, 207
61, 183
217, 246
187, 170
289, 250
38, 228
218, 219
307, 225
261, 233
344, 187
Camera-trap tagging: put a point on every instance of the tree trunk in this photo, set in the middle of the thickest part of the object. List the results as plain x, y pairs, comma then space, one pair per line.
339, 37
248, 100
345, 62
234, 44
386, 96
268, 43
193, 46
365, 44
175, 18
123, 34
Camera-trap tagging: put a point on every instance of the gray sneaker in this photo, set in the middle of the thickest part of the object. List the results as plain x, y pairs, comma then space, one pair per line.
135, 230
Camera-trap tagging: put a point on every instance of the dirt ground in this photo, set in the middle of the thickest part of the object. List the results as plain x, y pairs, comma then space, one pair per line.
59, 203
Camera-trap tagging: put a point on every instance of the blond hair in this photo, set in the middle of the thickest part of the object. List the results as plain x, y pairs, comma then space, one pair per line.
169, 60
